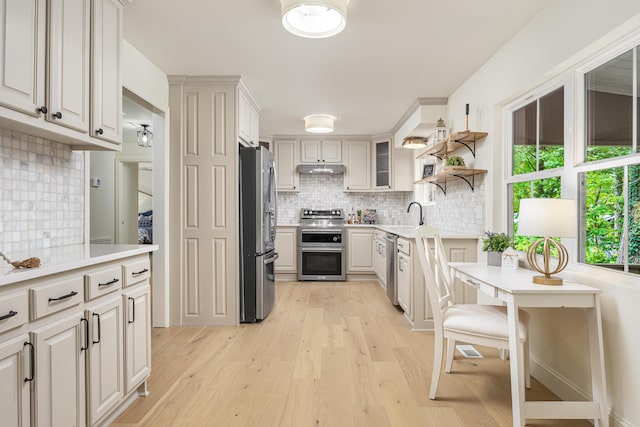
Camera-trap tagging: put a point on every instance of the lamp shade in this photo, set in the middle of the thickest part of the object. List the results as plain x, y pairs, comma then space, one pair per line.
547, 218
319, 123
314, 18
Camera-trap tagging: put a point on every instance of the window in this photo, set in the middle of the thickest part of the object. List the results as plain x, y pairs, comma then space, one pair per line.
609, 187
537, 154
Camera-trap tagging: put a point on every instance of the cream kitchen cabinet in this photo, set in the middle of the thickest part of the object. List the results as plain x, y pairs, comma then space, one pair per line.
360, 250
286, 159
405, 277
15, 377
286, 247
63, 338
380, 257
137, 336
248, 118
105, 387
59, 376
46, 61
357, 176
315, 151
106, 77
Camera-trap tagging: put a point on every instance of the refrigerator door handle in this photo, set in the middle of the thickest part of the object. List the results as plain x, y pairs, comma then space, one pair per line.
271, 258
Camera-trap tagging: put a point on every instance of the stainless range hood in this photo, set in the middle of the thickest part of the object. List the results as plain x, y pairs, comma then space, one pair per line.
321, 168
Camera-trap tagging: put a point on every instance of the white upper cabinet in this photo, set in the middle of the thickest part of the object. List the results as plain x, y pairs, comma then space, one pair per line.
22, 55
106, 66
248, 119
60, 70
68, 67
316, 151
357, 176
286, 154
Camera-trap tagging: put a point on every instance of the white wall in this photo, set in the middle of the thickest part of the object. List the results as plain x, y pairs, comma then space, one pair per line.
562, 35
144, 79
102, 198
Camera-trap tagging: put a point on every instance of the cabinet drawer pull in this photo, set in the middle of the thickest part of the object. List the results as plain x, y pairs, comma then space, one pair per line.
11, 313
109, 283
86, 334
99, 328
63, 297
133, 306
135, 273
99, 131
32, 361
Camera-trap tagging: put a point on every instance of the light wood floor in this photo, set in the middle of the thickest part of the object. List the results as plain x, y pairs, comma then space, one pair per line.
330, 354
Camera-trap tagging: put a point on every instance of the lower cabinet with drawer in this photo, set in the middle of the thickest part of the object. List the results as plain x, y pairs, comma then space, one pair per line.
75, 346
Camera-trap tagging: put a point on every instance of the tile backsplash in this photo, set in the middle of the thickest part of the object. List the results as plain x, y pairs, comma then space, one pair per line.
326, 192
461, 211
41, 183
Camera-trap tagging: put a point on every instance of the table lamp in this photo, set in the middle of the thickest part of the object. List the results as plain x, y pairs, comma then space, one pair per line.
547, 218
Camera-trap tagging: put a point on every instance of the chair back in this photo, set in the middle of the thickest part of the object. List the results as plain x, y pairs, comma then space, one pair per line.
436, 271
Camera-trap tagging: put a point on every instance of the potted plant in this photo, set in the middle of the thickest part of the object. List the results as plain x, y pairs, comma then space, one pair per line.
454, 161
494, 244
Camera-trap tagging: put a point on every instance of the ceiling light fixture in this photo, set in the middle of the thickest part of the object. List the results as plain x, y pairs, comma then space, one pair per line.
319, 123
145, 136
414, 142
314, 18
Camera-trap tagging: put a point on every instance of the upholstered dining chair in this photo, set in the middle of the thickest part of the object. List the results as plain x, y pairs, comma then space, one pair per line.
478, 324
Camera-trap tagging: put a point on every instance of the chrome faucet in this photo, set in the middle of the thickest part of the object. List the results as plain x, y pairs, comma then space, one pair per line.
420, 206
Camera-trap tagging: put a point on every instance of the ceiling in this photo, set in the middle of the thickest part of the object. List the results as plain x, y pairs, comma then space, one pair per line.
391, 53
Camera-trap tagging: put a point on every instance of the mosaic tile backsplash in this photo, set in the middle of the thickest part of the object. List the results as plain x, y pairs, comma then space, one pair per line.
326, 192
461, 211
41, 184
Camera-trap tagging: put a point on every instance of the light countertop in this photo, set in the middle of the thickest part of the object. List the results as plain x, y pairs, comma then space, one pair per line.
407, 231
65, 258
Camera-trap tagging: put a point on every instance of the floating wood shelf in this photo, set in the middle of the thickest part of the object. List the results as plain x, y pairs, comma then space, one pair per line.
440, 179
454, 142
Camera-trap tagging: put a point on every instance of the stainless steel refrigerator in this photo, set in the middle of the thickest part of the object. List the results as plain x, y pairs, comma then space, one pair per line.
257, 233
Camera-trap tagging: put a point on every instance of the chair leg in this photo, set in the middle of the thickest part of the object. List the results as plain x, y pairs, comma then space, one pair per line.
437, 364
527, 364
451, 350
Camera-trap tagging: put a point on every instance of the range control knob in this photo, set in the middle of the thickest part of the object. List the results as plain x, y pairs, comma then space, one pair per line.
335, 238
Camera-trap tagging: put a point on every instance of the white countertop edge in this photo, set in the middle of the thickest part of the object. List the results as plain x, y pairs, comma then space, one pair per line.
66, 258
406, 231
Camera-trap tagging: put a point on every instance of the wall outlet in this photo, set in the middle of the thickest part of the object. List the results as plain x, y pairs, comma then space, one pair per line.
96, 182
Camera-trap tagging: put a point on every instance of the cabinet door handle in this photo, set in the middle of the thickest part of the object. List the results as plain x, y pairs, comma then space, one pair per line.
472, 283
109, 283
63, 297
11, 313
99, 131
32, 361
57, 115
133, 306
99, 328
43, 109
135, 273
86, 334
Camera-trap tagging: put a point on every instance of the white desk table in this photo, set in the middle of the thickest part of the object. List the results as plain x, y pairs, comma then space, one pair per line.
516, 289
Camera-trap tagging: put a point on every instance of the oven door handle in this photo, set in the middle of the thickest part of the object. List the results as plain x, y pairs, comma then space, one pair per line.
272, 258
321, 249
321, 230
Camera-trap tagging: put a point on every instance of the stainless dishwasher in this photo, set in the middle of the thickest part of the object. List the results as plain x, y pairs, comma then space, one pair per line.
392, 261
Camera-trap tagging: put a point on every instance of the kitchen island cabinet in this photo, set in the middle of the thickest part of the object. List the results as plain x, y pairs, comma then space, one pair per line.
66, 359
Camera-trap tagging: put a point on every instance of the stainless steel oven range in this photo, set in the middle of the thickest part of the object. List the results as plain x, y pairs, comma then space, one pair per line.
321, 249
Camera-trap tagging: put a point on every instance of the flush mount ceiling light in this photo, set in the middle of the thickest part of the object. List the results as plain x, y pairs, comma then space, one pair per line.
145, 136
314, 18
319, 123
414, 142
